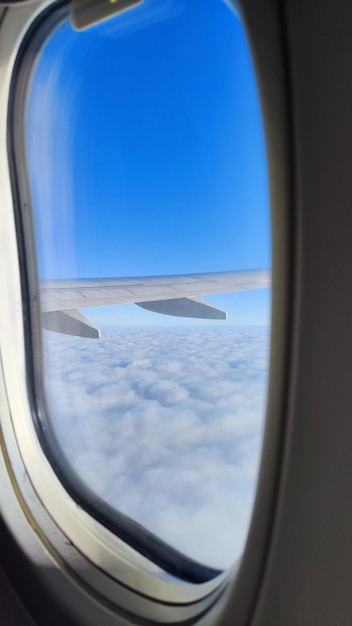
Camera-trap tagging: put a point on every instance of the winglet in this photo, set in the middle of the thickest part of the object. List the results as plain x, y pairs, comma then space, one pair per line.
70, 323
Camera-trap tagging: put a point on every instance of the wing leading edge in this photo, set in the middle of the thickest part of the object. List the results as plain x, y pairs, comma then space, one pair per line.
171, 295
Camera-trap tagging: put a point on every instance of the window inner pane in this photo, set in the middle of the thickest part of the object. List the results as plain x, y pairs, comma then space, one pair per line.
146, 158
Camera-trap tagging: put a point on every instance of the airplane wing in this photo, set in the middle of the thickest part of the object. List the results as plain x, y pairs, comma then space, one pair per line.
171, 295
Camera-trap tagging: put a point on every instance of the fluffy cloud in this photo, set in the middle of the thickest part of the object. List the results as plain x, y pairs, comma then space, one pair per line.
166, 426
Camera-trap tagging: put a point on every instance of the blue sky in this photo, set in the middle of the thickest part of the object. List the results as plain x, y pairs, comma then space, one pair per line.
146, 153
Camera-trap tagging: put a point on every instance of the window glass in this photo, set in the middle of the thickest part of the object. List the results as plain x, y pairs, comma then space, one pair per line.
146, 158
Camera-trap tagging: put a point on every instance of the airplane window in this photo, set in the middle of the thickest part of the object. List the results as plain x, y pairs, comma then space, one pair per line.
148, 176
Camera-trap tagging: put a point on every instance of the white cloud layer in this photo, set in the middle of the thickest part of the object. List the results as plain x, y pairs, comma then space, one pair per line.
166, 426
